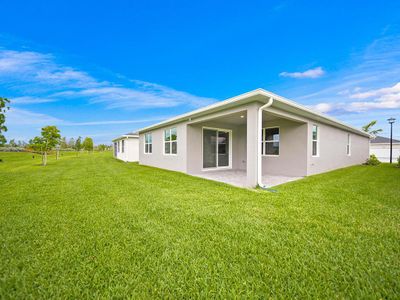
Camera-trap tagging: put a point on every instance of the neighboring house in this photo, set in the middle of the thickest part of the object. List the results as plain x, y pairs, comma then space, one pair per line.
248, 139
126, 147
380, 146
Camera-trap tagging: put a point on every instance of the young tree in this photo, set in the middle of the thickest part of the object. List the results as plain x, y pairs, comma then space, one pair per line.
36, 144
102, 147
63, 143
88, 144
12, 143
368, 128
3, 108
78, 145
50, 138
71, 143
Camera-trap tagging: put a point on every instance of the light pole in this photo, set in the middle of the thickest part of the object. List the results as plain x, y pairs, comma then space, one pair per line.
391, 121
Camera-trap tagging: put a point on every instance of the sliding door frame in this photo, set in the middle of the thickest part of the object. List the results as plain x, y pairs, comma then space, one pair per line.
202, 149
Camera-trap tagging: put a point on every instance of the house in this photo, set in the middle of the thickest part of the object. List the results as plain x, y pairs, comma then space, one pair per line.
257, 138
380, 146
126, 147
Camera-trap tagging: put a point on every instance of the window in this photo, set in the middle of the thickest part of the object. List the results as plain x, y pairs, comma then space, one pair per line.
315, 136
148, 143
270, 141
123, 146
118, 146
348, 147
170, 141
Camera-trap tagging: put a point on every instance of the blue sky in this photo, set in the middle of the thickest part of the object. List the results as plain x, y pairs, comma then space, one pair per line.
104, 68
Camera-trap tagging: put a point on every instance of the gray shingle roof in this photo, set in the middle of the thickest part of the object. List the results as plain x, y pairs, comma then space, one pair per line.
382, 139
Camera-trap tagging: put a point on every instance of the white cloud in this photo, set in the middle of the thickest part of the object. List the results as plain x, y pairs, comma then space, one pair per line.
39, 78
40, 69
114, 122
378, 92
311, 73
383, 98
16, 116
31, 100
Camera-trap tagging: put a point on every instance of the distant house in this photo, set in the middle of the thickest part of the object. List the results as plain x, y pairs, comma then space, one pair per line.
256, 138
380, 146
126, 147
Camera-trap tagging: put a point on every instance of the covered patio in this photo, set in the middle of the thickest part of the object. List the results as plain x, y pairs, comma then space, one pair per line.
224, 147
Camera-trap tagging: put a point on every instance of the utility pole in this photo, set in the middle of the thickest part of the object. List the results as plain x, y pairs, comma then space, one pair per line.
391, 121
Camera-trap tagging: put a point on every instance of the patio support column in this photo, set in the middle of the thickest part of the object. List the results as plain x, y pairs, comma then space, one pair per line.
252, 146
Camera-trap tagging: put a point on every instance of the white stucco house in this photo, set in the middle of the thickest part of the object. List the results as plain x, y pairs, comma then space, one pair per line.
251, 140
380, 146
126, 147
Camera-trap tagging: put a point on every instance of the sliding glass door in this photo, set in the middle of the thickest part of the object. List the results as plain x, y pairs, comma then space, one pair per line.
216, 148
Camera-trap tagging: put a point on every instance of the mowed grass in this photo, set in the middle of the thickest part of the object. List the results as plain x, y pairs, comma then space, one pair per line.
94, 227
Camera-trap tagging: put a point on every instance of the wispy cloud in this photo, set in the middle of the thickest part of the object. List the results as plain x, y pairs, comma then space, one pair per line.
17, 116
368, 82
32, 100
311, 73
383, 98
114, 122
38, 78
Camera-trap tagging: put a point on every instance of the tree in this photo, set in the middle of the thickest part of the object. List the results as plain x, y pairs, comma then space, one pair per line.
49, 139
63, 143
3, 108
71, 143
87, 144
102, 147
78, 145
12, 143
368, 128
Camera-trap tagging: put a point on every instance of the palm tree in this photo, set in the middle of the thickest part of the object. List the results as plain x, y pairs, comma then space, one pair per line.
368, 128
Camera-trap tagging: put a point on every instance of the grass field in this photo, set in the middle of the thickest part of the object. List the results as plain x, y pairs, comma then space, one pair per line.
94, 227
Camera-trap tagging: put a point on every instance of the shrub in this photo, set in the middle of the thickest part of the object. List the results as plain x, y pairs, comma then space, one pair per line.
372, 160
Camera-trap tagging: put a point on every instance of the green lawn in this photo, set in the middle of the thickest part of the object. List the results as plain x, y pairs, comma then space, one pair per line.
95, 227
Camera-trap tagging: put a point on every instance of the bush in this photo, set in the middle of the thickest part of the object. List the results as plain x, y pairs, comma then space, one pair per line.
372, 160
398, 162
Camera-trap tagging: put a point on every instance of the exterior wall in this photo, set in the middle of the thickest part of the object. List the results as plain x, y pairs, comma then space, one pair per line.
295, 157
195, 146
292, 159
382, 151
131, 149
332, 149
158, 158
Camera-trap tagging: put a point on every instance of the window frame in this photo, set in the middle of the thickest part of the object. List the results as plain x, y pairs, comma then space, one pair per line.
348, 145
118, 147
148, 143
315, 140
263, 141
170, 141
122, 146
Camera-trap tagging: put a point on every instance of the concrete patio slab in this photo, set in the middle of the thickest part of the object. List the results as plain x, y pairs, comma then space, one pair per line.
238, 177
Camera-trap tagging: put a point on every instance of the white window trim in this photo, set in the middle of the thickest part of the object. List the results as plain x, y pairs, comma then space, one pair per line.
348, 144
317, 140
264, 141
164, 141
144, 144
230, 150
122, 146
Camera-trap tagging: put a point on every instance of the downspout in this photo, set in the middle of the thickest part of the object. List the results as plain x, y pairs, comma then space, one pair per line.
259, 154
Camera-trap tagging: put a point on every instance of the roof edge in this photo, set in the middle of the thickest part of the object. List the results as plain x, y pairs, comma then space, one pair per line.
237, 99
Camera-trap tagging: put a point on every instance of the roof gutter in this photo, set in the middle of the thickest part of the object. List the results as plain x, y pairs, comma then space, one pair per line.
259, 141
